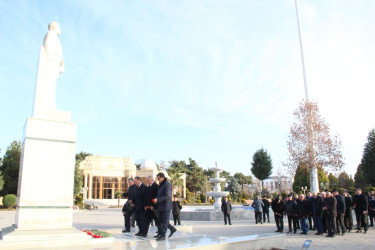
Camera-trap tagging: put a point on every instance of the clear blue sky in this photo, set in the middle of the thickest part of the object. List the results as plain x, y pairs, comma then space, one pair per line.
210, 80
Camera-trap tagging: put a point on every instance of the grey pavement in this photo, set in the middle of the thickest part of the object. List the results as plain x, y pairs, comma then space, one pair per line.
111, 220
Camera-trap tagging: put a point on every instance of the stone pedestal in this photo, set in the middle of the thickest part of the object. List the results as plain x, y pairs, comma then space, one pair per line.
46, 179
44, 211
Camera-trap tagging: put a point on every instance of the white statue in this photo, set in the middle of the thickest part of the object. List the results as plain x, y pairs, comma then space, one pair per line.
53, 49
51, 65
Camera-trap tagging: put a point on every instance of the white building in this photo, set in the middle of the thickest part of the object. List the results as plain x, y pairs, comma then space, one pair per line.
277, 184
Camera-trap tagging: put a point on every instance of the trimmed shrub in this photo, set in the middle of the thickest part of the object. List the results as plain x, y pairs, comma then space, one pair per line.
212, 201
10, 200
185, 202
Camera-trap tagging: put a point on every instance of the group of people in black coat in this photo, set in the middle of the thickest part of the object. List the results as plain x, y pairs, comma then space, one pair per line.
149, 203
326, 212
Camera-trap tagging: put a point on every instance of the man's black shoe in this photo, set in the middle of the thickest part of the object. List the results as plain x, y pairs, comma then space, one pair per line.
126, 231
138, 234
330, 235
173, 230
160, 238
277, 231
359, 231
143, 235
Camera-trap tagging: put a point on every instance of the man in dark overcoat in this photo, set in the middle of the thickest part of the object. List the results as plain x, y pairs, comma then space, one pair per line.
139, 206
340, 212
128, 207
164, 201
266, 209
348, 218
361, 210
330, 205
226, 208
317, 203
302, 211
151, 208
278, 210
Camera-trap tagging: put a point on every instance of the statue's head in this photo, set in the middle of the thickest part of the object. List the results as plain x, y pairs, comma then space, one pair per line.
54, 26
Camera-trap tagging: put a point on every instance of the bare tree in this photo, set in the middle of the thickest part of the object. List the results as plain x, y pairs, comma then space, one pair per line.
310, 143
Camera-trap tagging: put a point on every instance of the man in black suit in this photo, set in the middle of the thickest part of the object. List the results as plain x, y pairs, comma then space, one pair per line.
151, 211
226, 208
266, 209
361, 210
164, 202
340, 212
139, 206
330, 205
348, 218
128, 207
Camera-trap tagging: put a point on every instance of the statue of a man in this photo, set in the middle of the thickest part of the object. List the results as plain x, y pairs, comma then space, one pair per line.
50, 66
53, 50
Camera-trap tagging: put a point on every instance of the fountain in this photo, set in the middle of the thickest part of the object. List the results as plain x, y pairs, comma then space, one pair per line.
217, 194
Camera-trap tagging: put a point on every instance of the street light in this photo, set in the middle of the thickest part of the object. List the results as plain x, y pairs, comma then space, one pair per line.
304, 189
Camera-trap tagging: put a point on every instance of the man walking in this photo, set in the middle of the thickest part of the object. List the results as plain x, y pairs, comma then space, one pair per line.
139, 206
340, 212
164, 201
257, 205
128, 207
226, 208
151, 210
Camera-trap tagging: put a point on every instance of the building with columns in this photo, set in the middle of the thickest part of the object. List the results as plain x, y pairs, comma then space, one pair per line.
103, 176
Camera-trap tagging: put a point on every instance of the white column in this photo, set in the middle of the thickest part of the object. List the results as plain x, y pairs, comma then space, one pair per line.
90, 187
86, 189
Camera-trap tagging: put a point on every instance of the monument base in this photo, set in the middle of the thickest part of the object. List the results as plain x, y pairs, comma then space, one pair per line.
12, 238
46, 179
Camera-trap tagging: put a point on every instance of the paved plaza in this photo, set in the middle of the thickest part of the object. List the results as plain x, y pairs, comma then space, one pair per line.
111, 220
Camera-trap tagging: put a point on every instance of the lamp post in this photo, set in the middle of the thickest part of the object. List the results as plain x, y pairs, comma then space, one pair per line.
314, 183
304, 189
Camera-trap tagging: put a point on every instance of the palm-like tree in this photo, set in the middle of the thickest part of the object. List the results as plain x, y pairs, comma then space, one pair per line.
175, 178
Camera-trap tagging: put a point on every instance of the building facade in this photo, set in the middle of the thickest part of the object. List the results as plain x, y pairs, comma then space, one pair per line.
103, 176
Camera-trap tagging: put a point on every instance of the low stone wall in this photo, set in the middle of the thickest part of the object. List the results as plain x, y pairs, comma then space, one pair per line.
214, 215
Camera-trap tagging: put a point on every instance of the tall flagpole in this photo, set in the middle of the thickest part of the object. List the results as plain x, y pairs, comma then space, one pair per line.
314, 182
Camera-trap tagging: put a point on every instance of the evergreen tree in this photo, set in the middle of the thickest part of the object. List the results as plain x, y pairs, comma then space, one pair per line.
368, 159
360, 178
234, 188
10, 168
301, 179
262, 165
333, 182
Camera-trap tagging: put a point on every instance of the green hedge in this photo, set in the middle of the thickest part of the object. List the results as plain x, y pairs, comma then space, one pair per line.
10, 200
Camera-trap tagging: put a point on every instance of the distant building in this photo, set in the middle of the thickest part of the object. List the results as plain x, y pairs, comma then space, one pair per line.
102, 176
275, 184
